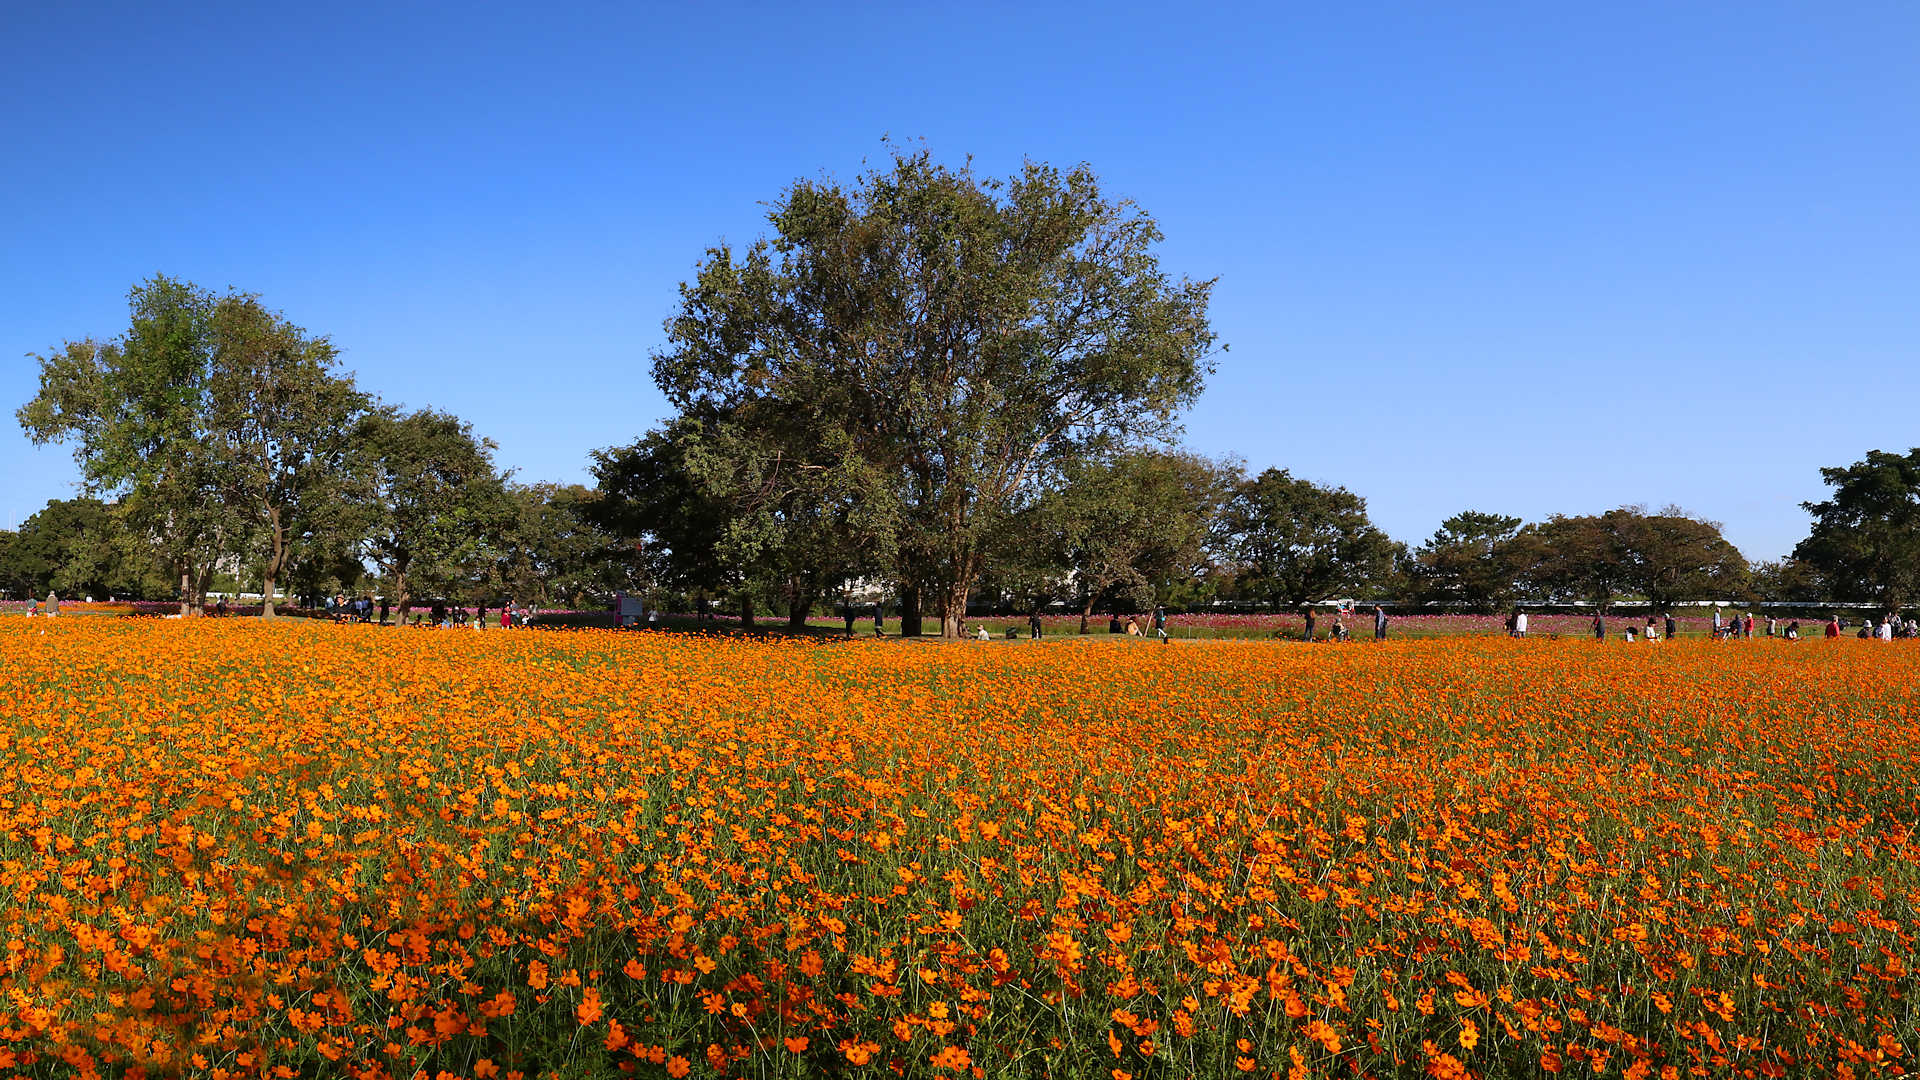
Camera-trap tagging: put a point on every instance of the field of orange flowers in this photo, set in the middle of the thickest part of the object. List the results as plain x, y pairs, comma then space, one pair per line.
232, 849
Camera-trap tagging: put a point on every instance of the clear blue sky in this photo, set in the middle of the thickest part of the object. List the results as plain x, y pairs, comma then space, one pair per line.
1552, 257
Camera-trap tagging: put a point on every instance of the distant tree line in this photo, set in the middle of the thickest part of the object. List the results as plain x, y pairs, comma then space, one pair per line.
222, 446
929, 386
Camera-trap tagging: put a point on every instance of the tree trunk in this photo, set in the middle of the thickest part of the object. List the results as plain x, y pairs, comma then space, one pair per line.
746, 610
1086, 614
797, 613
186, 588
910, 611
953, 607
276, 557
200, 583
801, 595
403, 599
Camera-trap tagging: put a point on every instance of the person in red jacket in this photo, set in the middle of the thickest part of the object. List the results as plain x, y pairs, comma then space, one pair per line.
1833, 626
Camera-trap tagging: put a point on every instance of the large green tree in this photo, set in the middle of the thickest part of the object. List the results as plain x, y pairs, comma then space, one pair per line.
550, 550
78, 547
1787, 581
651, 495
436, 503
137, 409
927, 345
282, 420
1123, 526
217, 423
1865, 542
1664, 557
1293, 542
1467, 562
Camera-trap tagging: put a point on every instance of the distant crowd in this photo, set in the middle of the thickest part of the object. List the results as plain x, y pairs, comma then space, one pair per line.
1739, 625
437, 615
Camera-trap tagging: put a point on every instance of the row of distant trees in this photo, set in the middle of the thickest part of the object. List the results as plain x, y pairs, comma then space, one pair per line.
943, 388
219, 442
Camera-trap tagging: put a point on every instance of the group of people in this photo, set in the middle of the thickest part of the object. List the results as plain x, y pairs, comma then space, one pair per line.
52, 606
439, 615
445, 616
847, 610
1339, 631
1739, 625
1889, 627
1132, 626
1154, 624
340, 609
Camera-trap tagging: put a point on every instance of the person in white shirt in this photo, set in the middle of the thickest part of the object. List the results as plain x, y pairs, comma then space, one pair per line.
1520, 624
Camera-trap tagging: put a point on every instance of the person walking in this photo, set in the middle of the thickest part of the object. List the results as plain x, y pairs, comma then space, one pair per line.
385, 606
1519, 624
1749, 633
1379, 623
846, 612
879, 619
1309, 624
1160, 623
1600, 627
1034, 628
1716, 620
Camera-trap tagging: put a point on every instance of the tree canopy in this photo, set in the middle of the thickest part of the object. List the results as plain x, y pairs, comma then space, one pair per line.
1601, 558
1865, 541
434, 500
925, 346
1468, 562
217, 422
1125, 525
1295, 542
